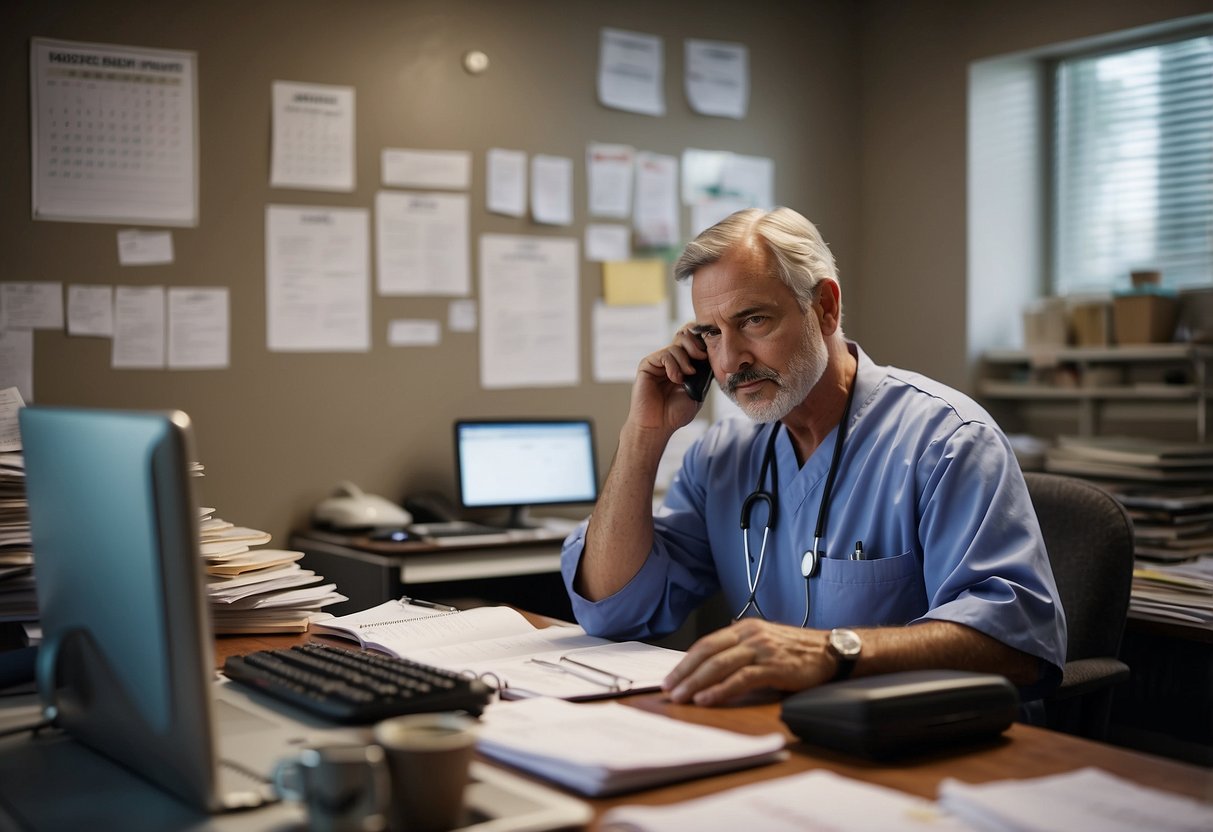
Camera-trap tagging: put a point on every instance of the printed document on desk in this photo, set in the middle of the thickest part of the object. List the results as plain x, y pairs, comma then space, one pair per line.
608, 748
501, 646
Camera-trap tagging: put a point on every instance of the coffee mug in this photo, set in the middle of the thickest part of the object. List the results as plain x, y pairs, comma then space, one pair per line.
428, 757
344, 787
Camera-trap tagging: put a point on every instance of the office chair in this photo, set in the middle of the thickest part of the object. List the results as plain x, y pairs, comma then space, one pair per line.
1089, 538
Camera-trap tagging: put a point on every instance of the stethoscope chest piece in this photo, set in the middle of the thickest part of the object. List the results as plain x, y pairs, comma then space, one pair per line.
810, 563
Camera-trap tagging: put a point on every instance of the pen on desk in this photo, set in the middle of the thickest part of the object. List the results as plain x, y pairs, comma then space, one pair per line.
417, 602
858, 553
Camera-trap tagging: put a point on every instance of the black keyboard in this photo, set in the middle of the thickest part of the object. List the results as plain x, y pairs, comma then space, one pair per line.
355, 687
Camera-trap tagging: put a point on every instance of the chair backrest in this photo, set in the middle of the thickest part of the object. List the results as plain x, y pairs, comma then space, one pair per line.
1089, 538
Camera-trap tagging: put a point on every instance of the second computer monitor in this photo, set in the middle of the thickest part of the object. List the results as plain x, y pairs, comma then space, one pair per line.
519, 463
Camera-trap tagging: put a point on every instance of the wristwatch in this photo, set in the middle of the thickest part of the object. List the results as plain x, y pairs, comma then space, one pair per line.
845, 645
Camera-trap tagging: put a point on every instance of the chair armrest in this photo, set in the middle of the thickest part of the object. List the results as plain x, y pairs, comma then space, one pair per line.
1082, 676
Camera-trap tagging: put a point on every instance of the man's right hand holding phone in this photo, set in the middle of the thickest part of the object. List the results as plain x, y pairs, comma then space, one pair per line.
672, 383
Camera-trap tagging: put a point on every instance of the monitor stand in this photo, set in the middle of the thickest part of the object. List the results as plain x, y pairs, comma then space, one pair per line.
519, 519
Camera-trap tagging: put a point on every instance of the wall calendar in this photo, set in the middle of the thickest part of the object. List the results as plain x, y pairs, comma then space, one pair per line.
113, 133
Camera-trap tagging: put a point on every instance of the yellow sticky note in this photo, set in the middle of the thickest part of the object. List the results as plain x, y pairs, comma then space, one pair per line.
633, 282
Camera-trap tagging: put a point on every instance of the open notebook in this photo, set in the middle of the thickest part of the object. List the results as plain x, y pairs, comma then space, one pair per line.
499, 645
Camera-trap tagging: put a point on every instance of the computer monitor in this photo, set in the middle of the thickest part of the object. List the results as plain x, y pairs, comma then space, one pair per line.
519, 463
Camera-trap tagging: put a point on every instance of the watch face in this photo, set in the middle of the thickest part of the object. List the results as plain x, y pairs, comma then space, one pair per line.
845, 642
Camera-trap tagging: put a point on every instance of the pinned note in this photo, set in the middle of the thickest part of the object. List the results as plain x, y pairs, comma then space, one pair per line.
633, 282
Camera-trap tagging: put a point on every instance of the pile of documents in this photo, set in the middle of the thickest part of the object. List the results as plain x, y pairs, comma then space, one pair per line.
1130, 458
608, 748
18, 602
1175, 592
1166, 487
258, 590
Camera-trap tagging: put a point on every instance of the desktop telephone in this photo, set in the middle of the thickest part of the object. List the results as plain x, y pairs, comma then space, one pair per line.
349, 507
430, 507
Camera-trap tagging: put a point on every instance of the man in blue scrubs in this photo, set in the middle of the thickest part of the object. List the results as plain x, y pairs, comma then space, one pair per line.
928, 552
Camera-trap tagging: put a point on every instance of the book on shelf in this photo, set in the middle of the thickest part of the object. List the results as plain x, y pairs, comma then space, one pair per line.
498, 644
608, 748
1134, 450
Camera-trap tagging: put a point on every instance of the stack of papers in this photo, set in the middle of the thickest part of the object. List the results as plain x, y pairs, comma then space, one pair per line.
1175, 592
258, 590
1131, 458
1170, 524
608, 748
18, 601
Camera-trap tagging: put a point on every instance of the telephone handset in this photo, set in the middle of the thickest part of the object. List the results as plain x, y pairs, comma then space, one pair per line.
697, 385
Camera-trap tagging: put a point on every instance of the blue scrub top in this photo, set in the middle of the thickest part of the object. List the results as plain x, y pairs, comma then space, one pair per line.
926, 480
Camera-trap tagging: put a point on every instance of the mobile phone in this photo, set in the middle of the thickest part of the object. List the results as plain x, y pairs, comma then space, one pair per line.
697, 385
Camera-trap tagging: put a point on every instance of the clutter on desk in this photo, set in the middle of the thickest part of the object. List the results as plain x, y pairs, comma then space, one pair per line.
609, 748
18, 601
257, 591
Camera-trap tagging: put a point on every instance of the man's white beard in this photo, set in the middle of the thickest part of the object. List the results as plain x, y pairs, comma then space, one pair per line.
805, 368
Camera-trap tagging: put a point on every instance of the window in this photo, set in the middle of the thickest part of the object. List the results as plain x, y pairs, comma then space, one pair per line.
1133, 166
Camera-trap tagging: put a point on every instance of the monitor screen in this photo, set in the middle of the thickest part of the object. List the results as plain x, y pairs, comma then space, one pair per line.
517, 463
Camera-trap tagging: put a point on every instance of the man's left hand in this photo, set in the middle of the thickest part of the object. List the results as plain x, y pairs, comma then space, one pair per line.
748, 655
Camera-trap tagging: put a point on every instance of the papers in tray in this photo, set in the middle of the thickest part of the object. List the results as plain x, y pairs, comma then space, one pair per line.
499, 645
607, 748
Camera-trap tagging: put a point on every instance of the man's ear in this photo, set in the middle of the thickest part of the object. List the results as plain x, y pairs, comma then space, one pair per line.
829, 301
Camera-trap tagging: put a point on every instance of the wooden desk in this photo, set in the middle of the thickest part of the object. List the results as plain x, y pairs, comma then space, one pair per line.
1023, 751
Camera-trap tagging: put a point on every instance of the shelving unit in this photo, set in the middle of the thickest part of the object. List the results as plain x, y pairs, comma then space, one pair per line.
1078, 374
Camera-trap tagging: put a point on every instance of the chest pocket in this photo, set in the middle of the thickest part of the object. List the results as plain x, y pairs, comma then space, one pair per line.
868, 593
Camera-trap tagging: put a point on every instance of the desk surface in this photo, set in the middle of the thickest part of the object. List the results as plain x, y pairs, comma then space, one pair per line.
1023, 751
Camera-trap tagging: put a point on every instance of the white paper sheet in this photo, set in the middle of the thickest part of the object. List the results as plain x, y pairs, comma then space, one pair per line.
718, 174
198, 328
421, 243
138, 328
10, 428
37, 305
656, 220
506, 182
90, 310
448, 169
552, 189
528, 311
815, 801
414, 333
140, 163
707, 213
461, 316
317, 280
607, 242
313, 137
17, 361
144, 248
625, 334
609, 171
1087, 798
631, 72
717, 77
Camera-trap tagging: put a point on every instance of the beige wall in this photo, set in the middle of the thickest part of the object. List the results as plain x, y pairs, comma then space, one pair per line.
861, 104
914, 59
276, 430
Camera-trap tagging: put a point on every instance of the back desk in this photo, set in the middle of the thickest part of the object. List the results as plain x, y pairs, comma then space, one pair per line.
1023, 751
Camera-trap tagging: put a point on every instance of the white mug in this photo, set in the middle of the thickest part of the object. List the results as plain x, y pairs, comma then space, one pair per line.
344, 787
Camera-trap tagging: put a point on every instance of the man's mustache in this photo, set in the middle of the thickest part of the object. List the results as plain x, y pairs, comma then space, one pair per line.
749, 376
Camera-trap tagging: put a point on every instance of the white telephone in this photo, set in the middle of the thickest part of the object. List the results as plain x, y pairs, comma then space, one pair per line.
351, 508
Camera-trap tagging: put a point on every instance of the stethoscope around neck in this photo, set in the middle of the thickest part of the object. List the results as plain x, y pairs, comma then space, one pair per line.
810, 564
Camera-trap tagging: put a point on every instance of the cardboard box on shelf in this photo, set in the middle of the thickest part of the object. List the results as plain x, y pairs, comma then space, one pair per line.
1145, 318
1091, 322
1045, 324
